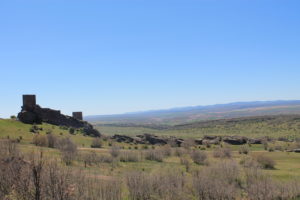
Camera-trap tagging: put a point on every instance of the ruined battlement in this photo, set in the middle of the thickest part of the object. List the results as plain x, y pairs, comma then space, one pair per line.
32, 113
77, 115
29, 101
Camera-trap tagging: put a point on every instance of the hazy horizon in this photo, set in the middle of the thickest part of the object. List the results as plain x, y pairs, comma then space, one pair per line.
113, 57
192, 106
158, 109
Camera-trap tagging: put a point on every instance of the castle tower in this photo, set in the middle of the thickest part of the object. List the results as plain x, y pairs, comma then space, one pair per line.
77, 115
29, 102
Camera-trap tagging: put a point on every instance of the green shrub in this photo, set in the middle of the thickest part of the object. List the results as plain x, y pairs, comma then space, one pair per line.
271, 149
72, 131
63, 127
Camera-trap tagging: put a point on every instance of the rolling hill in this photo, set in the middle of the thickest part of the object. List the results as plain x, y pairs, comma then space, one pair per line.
274, 126
184, 115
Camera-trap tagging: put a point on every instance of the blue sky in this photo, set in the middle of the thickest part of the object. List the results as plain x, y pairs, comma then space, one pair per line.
115, 56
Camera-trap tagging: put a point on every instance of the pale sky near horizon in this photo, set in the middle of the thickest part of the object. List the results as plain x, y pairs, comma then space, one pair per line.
116, 56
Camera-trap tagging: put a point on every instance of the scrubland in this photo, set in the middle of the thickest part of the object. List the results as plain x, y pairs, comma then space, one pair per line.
51, 163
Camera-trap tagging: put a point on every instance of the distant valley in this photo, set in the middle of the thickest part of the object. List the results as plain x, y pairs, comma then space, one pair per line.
185, 115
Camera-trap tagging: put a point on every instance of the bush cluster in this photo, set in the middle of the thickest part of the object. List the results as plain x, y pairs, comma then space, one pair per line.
32, 176
199, 157
222, 152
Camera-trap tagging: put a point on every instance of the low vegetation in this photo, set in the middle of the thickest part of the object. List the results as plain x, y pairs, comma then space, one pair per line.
266, 162
199, 157
52, 163
222, 152
284, 126
42, 175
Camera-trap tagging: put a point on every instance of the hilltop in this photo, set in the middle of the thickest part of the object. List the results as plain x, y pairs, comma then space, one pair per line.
16, 130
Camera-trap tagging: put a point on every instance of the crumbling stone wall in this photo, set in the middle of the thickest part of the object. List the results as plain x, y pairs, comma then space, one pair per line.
32, 113
77, 115
29, 101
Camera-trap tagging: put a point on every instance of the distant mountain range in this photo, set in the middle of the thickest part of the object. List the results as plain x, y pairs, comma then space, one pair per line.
201, 113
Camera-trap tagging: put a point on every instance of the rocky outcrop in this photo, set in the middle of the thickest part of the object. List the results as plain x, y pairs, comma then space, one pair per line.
177, 141
153, 139
255, 141
174, 141
36, 115
125, 139
199, 141
209, 139
235, 140
148, 139
297, 150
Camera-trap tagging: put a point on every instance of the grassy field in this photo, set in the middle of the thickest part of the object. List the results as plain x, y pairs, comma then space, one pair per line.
287, 163
100, 164
272, 126
13, 129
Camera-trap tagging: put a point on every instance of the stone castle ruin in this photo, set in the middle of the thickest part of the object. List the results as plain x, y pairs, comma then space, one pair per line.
29, 101
32, 113
77, 115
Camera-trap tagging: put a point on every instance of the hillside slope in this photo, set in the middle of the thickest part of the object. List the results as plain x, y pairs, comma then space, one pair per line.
17, 130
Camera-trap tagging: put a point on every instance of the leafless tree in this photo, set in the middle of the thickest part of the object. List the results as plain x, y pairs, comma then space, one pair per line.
199, 157
68, 150
114, 151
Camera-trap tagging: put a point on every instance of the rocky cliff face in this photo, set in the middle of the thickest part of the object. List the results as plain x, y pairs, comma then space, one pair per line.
36, 115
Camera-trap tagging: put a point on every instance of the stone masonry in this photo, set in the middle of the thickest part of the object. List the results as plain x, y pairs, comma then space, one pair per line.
32, 113
77, 115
